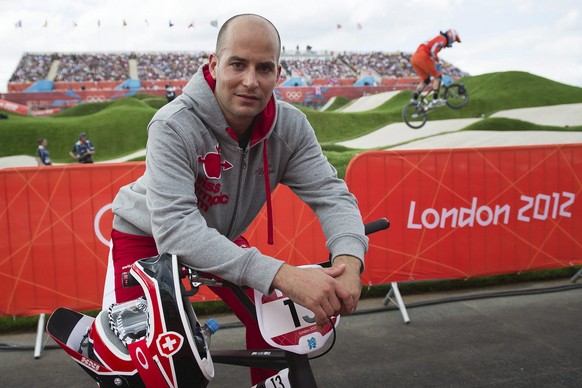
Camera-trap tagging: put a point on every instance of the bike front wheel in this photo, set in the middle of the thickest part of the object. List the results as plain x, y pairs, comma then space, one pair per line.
456, 96
414, 115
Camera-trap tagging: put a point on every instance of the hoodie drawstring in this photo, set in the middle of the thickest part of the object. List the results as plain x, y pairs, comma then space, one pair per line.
268, 194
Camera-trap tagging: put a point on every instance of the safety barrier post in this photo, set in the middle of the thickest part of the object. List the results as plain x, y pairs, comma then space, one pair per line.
39, 336
394, 291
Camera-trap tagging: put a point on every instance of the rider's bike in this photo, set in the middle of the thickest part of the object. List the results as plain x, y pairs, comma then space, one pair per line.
157, 340
455, 95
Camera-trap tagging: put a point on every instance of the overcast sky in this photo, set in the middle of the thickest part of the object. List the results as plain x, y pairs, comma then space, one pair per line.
537, 36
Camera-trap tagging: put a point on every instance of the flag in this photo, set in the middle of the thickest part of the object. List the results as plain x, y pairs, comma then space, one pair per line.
359, 26
170, 23
74, 24
18, 24
191, 25
124, 23
339, 26
147, 23
214, 23
98, 22
45, 25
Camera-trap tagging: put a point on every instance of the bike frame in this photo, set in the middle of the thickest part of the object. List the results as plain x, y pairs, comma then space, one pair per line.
170, 314
420, 108
300, 373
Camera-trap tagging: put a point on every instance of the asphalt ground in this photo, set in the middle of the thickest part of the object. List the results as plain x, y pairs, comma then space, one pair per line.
520, 335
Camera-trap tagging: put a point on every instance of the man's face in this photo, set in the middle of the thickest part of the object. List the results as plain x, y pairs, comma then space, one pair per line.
246, 72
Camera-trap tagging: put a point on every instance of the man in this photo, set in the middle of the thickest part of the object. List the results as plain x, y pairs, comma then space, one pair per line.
424, 63
82, 151
214, 155
170, 92
43, 157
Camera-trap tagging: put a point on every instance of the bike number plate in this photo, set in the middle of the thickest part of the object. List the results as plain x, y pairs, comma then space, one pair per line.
280, 380
289, 326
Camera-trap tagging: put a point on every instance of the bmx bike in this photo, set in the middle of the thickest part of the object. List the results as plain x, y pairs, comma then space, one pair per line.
455, 95
157, 340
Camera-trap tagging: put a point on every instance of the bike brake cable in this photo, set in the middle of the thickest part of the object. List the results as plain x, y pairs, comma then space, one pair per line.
332, 342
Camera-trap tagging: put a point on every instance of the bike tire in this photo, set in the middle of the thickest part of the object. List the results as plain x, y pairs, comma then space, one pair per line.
414, 115
456, 96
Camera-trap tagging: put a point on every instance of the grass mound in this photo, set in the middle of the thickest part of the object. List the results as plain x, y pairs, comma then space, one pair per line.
118, 127
505, 124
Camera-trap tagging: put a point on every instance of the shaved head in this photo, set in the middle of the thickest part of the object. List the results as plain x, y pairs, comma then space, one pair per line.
248, 20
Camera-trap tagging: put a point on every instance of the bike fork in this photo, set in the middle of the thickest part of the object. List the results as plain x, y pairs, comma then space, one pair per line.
300, 373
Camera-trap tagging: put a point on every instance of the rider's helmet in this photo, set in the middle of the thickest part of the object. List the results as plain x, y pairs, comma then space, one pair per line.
452, 36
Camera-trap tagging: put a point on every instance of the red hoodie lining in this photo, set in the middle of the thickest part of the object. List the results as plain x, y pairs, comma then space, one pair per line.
261, 127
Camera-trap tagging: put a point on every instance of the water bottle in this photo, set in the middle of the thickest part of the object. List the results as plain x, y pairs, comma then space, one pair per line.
129, 320
202, 335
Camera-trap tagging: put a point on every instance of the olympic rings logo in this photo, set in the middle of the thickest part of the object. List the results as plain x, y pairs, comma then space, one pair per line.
294, 95
95, 98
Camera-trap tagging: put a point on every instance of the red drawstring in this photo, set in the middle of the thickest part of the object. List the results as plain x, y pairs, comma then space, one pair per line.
268, 194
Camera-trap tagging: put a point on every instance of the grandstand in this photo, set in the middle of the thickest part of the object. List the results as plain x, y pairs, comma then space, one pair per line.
49, 80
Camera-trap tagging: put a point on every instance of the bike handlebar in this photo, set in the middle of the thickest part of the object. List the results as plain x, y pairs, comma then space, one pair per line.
372, 227
376, 226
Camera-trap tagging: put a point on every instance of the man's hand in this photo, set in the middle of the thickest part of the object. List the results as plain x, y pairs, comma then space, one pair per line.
325, 291
350, 279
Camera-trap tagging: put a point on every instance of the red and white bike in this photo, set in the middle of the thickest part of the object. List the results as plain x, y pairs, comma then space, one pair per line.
157, 340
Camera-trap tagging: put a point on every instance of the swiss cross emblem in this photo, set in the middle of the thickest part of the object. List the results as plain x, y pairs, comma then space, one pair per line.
169, 343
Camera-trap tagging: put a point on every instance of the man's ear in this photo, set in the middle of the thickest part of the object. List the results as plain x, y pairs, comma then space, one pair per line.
212, 63
279, 67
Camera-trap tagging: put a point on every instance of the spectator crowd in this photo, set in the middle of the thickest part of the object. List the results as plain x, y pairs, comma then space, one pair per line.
182, 65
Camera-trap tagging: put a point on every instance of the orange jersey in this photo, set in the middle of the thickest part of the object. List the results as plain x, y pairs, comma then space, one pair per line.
433, 46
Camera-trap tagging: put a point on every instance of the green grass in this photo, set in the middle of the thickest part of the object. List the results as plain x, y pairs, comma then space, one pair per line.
339, 102
504, 124
115, 129
118, 128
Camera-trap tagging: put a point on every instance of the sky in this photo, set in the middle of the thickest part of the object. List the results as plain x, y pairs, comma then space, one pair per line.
537, 36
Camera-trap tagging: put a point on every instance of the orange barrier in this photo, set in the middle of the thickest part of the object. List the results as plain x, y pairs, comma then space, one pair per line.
56, 222
55, 225
455, 213
460, 213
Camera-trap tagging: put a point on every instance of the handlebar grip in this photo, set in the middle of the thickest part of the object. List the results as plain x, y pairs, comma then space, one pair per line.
376, 226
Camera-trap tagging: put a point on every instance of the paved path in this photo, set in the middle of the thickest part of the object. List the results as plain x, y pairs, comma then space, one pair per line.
520, 335
397, 133
393, 135
556, 115
30, 161
369, 102
470, 139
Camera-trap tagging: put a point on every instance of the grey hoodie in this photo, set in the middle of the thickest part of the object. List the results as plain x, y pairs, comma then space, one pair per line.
201, 190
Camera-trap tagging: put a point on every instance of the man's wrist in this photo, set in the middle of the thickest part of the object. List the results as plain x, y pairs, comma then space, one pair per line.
352, 262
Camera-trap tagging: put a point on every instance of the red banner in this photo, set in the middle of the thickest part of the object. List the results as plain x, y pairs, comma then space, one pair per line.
13, 107
460, 213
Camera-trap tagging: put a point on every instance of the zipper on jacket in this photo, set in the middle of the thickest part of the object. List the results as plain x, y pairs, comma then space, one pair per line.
243, 164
